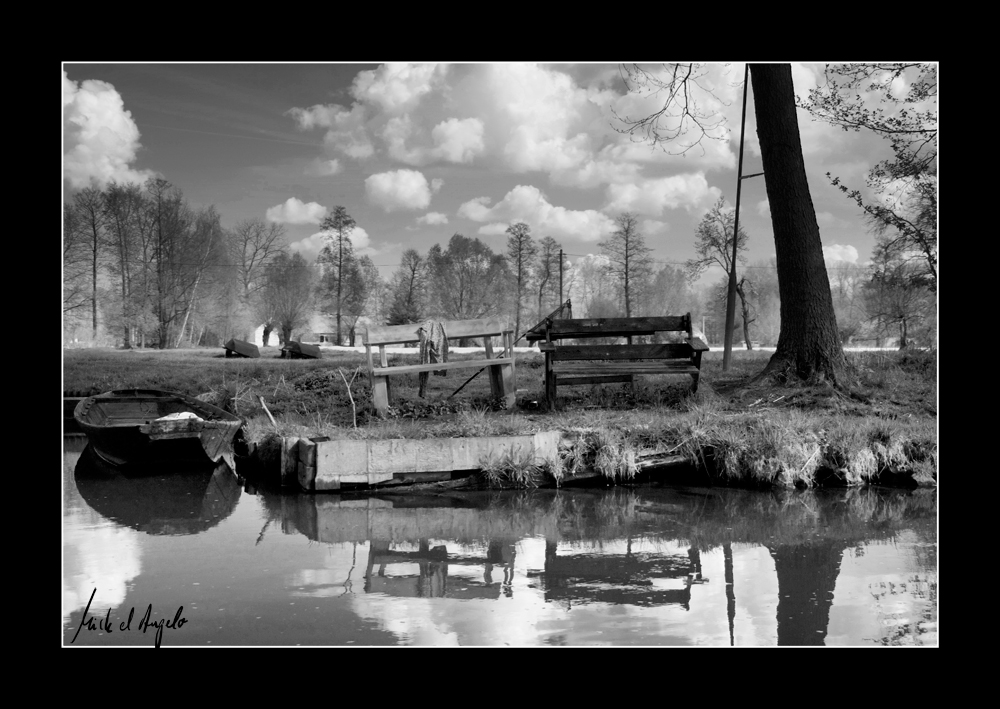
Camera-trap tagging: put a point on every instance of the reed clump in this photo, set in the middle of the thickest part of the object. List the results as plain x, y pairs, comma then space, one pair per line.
515, 468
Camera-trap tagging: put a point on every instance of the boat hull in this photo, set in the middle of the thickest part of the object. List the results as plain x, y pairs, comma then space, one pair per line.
145, 426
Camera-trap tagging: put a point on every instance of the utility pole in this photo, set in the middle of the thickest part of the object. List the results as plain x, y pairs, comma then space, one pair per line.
731, 295
560, 276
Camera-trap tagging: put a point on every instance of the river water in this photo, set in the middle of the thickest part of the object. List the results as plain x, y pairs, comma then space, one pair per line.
201, 559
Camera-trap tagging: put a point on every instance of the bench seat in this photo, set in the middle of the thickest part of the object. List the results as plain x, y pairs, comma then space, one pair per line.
625, 367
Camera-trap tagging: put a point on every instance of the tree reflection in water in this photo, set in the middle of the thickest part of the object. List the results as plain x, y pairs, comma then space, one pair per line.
805, 532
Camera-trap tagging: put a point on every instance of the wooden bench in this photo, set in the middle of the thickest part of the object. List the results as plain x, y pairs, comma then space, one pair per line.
501, 368
570, 364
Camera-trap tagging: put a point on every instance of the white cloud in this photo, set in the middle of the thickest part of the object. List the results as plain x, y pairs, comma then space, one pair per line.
396, 88
527, 204
100, 139
294, 211
651, 197
312, 245
323, 168
476, 209
433, 218
400, 189
764, 209
840, 252
517, 116
346, 129
457, 140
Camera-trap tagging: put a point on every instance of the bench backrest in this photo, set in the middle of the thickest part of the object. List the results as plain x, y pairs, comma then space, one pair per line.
455, 329
617, 327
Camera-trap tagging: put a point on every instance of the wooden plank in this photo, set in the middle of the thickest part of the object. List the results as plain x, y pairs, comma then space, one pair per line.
615, 327
289, 461
602, 379
474, 328
698, 345
391, 334
454, 329
307, 464
641, 367
622, 352
410, 368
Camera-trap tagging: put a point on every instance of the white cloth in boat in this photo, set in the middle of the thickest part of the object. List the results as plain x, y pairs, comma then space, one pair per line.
179, 415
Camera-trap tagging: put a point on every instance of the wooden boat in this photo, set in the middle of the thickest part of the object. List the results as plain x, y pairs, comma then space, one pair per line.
240, 348
140, 426
299, 350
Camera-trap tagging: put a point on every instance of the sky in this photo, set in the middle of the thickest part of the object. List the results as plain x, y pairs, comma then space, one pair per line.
419, 152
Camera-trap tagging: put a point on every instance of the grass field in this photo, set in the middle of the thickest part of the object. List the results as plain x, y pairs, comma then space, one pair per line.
778, 435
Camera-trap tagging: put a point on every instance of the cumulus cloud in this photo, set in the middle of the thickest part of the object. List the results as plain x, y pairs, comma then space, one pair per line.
476, 209
400, 189
651, 197
100, 139
323, 168
840, 252
457, 140
764, 209
312, 245
518, 116
527, 204
346, 131
294, 211
396, 88
433, 218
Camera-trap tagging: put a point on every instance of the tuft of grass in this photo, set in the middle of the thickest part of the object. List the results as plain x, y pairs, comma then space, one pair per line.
515, 468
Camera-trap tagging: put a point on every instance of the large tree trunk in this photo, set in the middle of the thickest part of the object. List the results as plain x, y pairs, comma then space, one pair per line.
808, 345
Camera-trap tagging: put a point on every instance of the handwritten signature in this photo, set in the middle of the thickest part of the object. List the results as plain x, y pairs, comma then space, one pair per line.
106, 625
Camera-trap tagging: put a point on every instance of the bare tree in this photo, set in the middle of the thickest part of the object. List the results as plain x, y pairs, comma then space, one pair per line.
629, 259
682, 122
547, 274
521, 252
467, 280
289, 290
339, 225
123, 202
253, 243
714, 245
84, 228
408, 290
894, 299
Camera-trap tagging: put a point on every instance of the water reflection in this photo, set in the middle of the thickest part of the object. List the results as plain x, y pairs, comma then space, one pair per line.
563, 567
171, 500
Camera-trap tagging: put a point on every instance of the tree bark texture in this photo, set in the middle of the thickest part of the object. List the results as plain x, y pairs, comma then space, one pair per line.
808, 345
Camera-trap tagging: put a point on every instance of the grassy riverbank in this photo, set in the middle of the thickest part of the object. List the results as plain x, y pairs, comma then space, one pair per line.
798, 436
